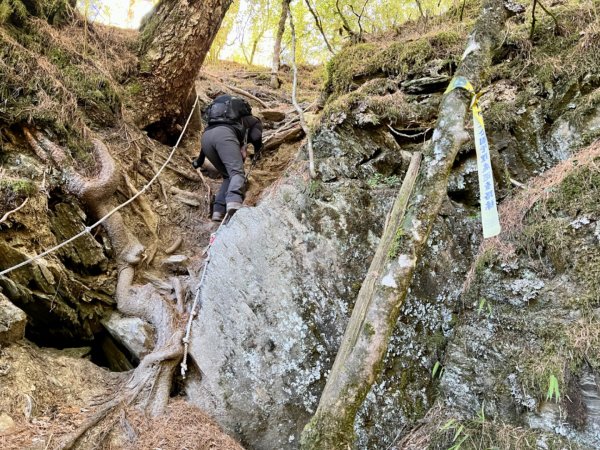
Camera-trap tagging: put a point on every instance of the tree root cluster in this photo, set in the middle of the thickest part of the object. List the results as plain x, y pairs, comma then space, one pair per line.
149, 386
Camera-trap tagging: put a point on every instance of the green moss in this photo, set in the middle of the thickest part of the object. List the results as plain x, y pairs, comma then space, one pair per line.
134, 88
396, 244
446, 38
348, 64
18, 187
314, 188
400, 57
369, 330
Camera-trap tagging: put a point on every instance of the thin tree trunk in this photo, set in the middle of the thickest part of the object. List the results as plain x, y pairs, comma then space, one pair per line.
319, 24
375, 314
173, 45
305, 127
285, 10
420, 8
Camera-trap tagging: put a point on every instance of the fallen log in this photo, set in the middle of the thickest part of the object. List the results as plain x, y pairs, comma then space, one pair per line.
291, 135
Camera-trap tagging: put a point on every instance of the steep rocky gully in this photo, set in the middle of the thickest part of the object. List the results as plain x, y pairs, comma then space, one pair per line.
486, 325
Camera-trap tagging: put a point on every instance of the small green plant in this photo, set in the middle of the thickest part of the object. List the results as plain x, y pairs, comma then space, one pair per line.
438, 369
314, 188
484, 305
553, 389
459, 433
481, 415
378, 180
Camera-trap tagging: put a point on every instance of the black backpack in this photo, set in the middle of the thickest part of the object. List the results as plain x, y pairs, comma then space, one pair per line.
228, 110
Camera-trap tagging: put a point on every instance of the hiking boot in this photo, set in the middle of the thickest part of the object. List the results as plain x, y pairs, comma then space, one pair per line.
232, 207
218, 216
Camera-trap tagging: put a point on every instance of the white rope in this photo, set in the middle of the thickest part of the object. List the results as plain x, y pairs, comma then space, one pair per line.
118, 208
197, 301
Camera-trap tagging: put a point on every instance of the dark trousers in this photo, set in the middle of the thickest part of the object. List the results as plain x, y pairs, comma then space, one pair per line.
222, 148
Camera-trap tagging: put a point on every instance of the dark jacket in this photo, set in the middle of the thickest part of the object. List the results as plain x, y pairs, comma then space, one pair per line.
249, 131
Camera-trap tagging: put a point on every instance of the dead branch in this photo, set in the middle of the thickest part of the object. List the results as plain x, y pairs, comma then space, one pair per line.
358, 363
12, 211
238, 90
174, 246
305, 127
291, 135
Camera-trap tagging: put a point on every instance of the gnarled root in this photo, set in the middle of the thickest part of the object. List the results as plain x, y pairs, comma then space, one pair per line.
150, 383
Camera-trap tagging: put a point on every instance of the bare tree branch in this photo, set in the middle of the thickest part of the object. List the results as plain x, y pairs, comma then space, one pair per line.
305, 127
319, 24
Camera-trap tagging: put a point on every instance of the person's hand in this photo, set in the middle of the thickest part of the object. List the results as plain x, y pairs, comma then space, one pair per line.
244, 150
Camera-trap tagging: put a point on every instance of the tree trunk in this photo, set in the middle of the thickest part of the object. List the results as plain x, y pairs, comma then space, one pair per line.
173, 44
319, 24
285, 10
375, 314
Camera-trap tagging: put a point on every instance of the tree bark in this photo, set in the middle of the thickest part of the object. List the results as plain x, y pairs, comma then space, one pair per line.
374, 317
173, 44
285, 10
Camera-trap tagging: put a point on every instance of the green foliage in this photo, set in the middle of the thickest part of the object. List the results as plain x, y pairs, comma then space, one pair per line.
378, 179
459, 433
484, 307
10, 8
249, 26
438, 370
553, 389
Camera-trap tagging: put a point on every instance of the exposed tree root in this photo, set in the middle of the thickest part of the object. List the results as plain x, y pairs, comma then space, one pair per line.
12, 211
150, 383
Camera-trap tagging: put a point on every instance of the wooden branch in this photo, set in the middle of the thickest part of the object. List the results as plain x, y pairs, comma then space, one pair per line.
319, 23
293, 134
174, 246
5, 216
237, 90
345, 24
305, 127
557, 28
359, 361
533, 20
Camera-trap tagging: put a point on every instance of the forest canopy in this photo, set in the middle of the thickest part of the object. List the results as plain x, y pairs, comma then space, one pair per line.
249, 28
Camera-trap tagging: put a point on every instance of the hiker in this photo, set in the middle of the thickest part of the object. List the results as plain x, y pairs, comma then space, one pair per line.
231, 126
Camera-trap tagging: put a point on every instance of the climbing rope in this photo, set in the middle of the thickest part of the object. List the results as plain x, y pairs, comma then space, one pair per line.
118, 208
197, 305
